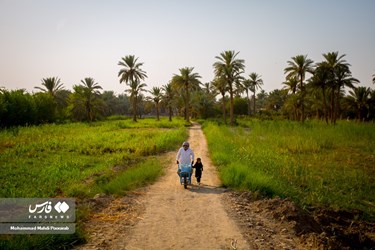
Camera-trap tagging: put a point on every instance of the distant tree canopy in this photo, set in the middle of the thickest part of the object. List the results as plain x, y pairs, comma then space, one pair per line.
309, 91
19, 108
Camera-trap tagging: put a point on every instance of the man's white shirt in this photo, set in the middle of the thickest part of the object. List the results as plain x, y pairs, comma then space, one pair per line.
185, 156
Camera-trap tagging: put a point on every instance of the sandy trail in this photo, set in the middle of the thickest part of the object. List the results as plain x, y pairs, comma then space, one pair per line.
165, 215
195, 218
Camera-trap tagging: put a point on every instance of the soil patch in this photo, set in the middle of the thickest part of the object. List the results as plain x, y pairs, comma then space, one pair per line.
284, 225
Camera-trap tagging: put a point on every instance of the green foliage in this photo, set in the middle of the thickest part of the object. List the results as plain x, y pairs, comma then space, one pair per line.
315, 164
80, 160
202, 104
85, 103
133, 177
45, 108
19, 108
230, 68
53, 158
188, 81
240, 106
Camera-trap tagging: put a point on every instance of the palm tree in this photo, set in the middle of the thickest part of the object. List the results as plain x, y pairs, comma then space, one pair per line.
343, 78
298, 67
373, 78
230, 69
90, 91
157, 96
135, 89
292, 105
141, 99
340, 77
188, 80
320, 80
51, 85
314, 99
291, 85
246, 84
332, 62
275, 100
360, 97
132, 74
207, 88
202, 103
256, 82
168, 98
220, 84
371, 113
54, 88
238, 87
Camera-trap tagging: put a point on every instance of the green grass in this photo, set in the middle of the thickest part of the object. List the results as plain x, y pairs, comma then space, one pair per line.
134, 177
313, 163
80, 160
46, 161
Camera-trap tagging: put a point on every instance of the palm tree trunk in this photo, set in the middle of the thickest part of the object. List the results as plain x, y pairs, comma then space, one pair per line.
325, 105
224, 109
88, 110
254, 102
248, 102
135, 108
231, 113
338, 110
332, 105
157, 111
187, 103
302, 100
359, 113
170, 113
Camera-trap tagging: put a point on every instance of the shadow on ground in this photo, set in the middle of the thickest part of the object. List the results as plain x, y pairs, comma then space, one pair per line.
206, 189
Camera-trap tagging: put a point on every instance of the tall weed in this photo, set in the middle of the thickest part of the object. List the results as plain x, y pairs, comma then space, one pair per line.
314, 163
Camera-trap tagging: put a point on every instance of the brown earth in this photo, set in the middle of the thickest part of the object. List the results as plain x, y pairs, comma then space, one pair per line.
207, 216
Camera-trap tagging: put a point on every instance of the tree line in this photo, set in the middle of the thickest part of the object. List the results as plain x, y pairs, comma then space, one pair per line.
310, 90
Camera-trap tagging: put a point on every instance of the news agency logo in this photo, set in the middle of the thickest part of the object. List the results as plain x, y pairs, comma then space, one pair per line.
60, 207
45, 210
38, 210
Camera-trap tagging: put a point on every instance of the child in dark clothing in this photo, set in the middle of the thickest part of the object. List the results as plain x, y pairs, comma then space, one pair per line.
198, 170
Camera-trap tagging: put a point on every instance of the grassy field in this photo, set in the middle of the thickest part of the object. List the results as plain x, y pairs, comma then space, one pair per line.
50, 160
313, 163
81, 160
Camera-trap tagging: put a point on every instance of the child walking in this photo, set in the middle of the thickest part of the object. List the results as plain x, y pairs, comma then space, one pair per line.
198, 170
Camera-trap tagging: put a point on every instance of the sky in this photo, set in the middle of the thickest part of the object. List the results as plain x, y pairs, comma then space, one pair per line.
75, 39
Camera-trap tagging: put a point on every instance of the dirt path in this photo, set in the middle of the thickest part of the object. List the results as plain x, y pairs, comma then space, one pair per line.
186, 219
166, 216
